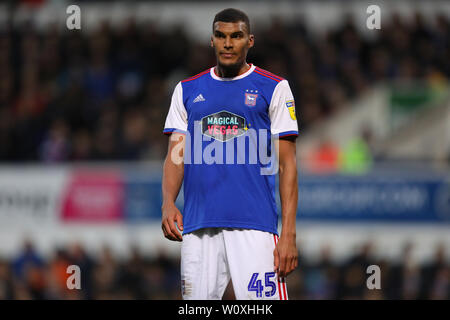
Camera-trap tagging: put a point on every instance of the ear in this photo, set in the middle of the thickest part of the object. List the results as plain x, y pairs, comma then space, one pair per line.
251, 40
212, 43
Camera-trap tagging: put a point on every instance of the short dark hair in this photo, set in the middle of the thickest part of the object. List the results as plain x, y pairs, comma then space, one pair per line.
232, 15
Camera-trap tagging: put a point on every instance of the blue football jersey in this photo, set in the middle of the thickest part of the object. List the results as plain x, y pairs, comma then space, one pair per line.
229, 165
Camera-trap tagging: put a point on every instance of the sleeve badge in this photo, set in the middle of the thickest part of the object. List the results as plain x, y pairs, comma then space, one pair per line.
290, 104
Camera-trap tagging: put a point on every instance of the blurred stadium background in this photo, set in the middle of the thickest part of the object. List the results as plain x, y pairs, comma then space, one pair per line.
81, 144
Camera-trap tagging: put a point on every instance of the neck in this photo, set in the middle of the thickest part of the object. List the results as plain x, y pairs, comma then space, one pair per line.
231, 71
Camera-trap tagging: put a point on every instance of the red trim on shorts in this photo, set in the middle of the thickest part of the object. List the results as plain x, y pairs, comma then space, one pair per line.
280, 293
283, 282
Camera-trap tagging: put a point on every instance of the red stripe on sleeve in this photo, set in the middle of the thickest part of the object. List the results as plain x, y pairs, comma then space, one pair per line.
269, 73
196, 76
265, 75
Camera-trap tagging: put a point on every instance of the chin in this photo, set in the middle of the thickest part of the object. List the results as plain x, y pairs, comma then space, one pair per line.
229, 64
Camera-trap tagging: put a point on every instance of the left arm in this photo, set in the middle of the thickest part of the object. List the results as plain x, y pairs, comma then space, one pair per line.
285, 253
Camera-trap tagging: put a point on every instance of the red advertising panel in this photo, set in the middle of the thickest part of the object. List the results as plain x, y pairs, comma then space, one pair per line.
93, 196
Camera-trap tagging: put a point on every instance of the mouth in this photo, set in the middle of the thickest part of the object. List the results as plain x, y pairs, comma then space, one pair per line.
227, 55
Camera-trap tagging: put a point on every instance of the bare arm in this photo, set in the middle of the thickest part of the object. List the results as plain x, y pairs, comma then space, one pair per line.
172, 180
285, 253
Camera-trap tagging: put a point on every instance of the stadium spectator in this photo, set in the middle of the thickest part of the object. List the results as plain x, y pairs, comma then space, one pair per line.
325, 158
6, 281
357, 156
434, 276
25, 259
56, 145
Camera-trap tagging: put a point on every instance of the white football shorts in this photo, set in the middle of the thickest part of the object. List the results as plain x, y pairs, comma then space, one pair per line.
210, 257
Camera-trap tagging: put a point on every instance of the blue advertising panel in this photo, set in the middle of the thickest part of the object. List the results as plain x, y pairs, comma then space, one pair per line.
142, 201
374, 198
143, 197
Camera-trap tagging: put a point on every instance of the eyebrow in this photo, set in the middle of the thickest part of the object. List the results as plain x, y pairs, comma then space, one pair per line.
237, 33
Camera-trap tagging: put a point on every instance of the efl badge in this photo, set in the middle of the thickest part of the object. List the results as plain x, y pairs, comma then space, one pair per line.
290, 104
250, 99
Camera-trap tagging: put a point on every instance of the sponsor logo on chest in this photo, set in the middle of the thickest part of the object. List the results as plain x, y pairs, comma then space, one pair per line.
223, 125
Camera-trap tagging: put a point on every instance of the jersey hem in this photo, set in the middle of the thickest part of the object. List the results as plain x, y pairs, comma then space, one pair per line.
237, 225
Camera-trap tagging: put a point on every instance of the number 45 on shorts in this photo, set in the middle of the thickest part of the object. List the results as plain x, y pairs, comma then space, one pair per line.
269, 287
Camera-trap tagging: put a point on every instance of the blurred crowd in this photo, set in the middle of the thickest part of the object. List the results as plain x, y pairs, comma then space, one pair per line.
29, 275
104, 95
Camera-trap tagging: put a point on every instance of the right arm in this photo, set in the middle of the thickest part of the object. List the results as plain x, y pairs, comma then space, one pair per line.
172, 180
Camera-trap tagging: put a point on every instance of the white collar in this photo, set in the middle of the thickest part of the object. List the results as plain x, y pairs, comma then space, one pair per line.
246, 73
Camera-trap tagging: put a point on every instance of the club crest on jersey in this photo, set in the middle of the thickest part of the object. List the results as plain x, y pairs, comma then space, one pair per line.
250, 98
290, 104
223, 125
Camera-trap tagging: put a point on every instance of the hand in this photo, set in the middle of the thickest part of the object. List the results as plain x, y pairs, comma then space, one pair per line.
170, 215
285, 256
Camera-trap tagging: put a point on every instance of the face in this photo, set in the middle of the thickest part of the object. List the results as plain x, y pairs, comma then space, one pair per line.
231, 42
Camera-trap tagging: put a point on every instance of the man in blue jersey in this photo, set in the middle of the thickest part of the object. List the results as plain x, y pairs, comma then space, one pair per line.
223, 123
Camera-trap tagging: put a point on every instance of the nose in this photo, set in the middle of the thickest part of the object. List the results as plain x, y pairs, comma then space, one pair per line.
228, 43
